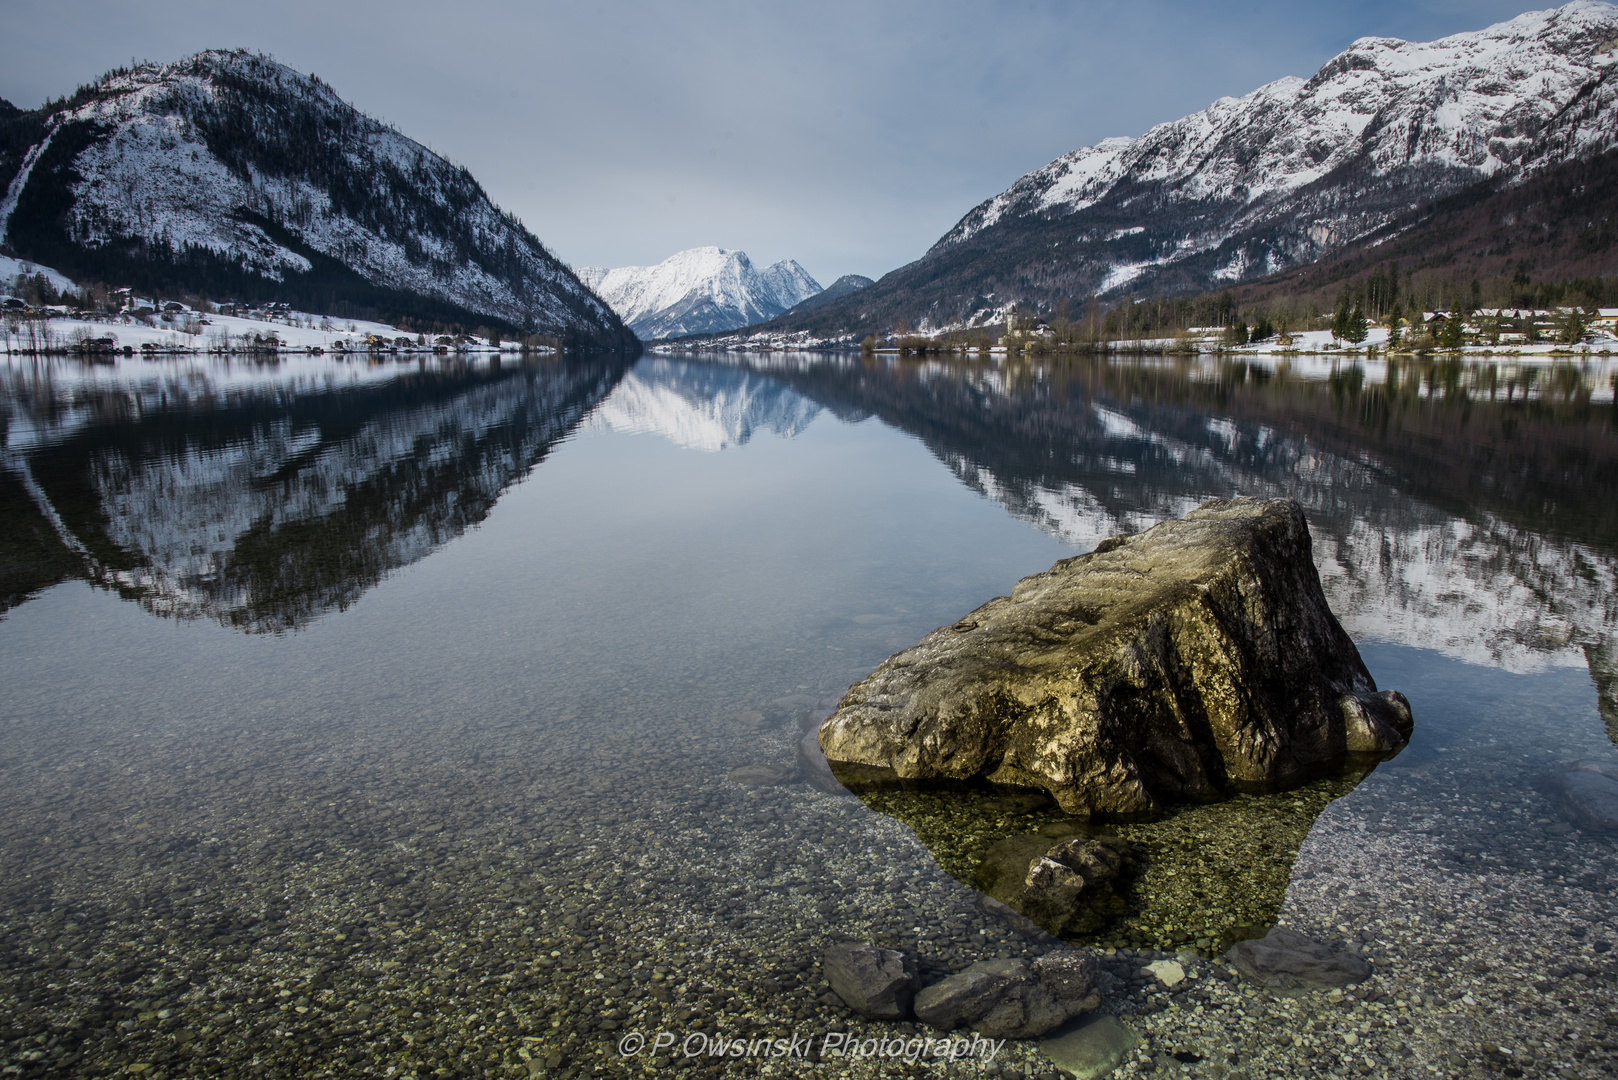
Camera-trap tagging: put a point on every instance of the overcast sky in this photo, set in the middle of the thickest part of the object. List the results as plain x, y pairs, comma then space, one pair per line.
846, 135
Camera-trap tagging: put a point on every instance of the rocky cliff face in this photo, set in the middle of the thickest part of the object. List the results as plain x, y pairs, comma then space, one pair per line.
1192, 660
231, 174
1288, 173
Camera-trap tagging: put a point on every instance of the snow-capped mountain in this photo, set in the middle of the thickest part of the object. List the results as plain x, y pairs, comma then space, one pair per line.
231, 174
1281, 176
1337, 155
703, 290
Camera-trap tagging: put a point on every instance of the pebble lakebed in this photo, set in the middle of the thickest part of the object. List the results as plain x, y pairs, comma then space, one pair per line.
387, 915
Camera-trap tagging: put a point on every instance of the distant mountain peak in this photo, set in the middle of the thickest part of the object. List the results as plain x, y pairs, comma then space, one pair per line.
699, 290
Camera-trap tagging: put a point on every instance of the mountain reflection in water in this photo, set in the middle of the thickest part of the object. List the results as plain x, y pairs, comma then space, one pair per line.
1471, 508
267, 502
698, 407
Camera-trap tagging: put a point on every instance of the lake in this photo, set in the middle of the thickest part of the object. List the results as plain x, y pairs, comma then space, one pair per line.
377, 717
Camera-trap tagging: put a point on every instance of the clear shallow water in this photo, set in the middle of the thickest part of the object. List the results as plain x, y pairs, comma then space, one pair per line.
410, 689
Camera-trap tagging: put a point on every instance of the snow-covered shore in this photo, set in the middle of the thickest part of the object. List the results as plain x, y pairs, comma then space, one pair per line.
194, 332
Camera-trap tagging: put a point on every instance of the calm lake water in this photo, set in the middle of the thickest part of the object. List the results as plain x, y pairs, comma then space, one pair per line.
376, 719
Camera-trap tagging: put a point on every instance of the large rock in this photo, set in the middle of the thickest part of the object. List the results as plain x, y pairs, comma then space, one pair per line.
1588, 797
1181, 664
878, 983
1287, 960
1013, 999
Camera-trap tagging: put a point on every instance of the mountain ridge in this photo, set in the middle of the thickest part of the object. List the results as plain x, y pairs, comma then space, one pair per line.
1275, 179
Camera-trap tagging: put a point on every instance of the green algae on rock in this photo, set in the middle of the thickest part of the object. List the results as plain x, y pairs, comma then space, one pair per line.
1184, 664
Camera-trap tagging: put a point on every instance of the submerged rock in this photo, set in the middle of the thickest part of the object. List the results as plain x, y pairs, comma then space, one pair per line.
1188, 662
1588, 797
1207, 876
1013, 998
1067, 885
762, 775
1168, 972
1287, 960
1091, 1047
877, 983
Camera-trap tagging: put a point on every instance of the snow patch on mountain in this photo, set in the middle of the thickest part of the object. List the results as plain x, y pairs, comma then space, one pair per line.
12, 269
702, 290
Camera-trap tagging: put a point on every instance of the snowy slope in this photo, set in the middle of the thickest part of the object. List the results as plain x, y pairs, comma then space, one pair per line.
1281, 177
699, 291
1331, 158
239, 169
11, 269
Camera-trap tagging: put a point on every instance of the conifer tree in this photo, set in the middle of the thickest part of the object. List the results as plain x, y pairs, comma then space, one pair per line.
1355, 327
1573, 327
1339, 321
1453, 333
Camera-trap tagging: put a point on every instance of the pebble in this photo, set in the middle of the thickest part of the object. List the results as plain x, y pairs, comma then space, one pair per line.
1167, 972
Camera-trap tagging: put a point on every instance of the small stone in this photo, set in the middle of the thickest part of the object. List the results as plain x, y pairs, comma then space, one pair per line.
1167, 972
877, 983
1013, 998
